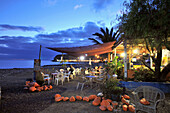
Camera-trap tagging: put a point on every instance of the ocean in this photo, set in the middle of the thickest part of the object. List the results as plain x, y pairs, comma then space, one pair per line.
9, 64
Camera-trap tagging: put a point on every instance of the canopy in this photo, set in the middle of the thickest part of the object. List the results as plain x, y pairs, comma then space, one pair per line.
90, 50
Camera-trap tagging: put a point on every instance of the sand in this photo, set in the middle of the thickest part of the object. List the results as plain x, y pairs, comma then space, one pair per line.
17, 100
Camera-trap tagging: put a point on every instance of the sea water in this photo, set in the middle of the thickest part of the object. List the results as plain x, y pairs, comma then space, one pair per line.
8, 64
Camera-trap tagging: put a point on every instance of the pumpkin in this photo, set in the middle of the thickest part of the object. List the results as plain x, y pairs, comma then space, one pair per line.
126, 96
109, 100
66, 98
125, 101
104, 103
144, 101
92, 97
131, 108
45, 88
72, 99
50, 87
57, 95
27, 82
110, 108
36, 84
38, 89
124, 107
32, 88
103, 108
96, 101
86, 99
58, 99
78, 97
114, 104
103, 98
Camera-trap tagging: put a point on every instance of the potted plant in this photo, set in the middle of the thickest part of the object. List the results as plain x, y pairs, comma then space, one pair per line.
111, 89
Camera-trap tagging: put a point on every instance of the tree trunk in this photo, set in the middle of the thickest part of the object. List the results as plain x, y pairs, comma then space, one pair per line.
158, 64
109, 57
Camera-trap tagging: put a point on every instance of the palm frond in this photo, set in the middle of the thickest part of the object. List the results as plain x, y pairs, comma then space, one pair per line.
94, 40
111, 32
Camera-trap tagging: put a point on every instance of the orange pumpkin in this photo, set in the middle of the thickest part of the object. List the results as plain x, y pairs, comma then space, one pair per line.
96, 101
45, 88
79, 97
58, 99
109, 100
27, 82
72, 99
36, 84
32, 88
125, 101
57, 95
66, 98
110, 108
144, 101
104, 103
86, 99
124, 107
38, 89
103, 98
131, 108
126, 96
103, 108
50, 87
114, 104
92, 97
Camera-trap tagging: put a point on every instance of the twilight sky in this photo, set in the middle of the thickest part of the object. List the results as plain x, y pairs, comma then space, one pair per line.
25, 24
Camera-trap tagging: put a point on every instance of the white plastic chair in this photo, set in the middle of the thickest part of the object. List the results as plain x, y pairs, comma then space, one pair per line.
151, 94
59, 77
67, 76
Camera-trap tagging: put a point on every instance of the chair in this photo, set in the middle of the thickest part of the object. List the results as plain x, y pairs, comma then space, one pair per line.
46, 77
67, 75
82, 81
59, 77
151, 94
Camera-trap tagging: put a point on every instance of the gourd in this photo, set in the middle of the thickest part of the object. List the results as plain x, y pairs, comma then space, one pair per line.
79, 97
144, 101
50, 87
57, 95
104, 103
131, 108
66, 98
86, 99
58, 99
72, 99
92, 97
110, 108
96, 101
109, 100
114, 104
103, 108
125, 101
32, 88
124, 107
126, 96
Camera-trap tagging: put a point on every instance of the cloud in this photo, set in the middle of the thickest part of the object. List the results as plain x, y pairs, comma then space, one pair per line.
23, 47
50, 2
5, 27
78, 6
101, 4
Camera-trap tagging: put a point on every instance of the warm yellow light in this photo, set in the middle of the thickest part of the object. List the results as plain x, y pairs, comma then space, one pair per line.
135, 51
122, 54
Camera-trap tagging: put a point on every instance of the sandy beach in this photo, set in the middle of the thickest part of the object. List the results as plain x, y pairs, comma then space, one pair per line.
17, 100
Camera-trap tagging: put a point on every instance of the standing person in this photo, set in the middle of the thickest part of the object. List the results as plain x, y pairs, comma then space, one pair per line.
71, 69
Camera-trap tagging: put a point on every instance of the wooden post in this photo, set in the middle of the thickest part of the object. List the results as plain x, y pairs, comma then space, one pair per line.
40, 56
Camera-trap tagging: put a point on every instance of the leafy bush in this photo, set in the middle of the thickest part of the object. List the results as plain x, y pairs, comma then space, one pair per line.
144, 75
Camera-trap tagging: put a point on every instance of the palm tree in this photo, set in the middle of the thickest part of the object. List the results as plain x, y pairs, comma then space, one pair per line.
107, 37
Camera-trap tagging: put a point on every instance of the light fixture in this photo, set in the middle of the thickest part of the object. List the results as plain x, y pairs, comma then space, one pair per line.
122, 54
135, 51
82, 57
